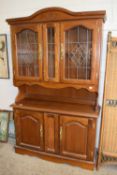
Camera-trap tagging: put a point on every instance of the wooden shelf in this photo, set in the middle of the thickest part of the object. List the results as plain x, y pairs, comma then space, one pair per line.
59, 108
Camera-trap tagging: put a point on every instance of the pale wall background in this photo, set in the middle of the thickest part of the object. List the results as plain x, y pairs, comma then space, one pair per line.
16, 8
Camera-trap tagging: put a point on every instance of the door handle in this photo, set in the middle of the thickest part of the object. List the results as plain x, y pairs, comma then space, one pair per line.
111, 102
40, 51
62, 51
61, 130
41, 131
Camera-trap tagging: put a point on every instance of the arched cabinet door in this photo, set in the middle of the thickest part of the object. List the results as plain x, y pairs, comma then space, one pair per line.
27, 52
29, 129
75, 133
79, 46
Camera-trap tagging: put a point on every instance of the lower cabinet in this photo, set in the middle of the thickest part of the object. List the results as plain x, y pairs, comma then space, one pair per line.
29, 129
59, 135
76, 137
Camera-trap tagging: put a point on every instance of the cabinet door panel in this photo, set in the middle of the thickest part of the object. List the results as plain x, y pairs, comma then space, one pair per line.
78, 46
73, 136
91, 139
51, 51
29, 129
27, 41
51, 132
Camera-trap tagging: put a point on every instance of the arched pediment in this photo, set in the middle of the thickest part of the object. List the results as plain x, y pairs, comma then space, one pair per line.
57, 14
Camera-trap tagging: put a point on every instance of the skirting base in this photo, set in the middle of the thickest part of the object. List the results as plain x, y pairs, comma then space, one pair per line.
55, 158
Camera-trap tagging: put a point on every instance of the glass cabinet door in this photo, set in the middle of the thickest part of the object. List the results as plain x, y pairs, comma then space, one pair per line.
51, 52
28, 52
77, 52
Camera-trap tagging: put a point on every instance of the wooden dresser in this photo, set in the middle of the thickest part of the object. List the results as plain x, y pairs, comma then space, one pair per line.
56, 57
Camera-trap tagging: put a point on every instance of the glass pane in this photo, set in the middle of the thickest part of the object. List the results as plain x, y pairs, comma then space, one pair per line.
78, 53
27, 52
51, 52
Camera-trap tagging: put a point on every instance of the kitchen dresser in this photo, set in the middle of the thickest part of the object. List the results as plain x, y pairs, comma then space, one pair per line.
56, 59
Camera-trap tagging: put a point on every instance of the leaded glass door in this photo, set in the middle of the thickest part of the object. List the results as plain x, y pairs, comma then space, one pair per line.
51, 51
78, 48
28, 56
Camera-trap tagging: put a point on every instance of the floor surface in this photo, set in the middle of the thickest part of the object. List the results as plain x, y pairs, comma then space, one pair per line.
16, 164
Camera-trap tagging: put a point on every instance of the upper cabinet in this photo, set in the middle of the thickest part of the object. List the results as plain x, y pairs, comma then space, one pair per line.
27, 41
57, 48
78, 47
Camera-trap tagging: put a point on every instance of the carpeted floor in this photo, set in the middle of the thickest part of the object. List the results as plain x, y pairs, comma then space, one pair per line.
15, 164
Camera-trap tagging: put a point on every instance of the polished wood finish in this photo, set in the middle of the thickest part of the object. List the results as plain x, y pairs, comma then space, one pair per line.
56, 158
57, 14
51, 123
55, 45
44, 17
93, 26
71, 95
56, 57
53, 85
54, 107
16, 30
81, 145
91, 142
29, 129
69, 126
